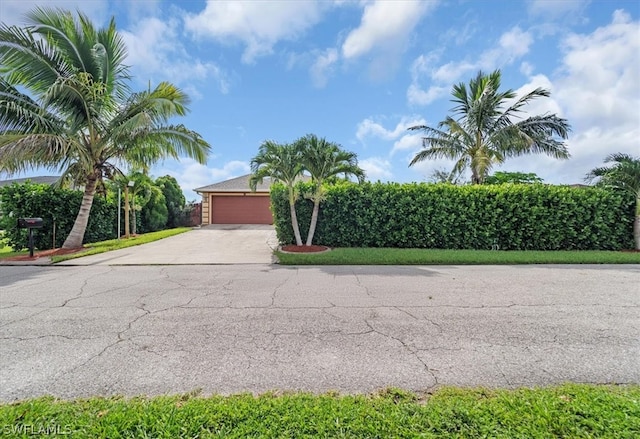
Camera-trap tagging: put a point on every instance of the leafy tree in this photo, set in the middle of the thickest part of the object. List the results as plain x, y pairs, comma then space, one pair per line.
500, 177
154, 212
325, 160
624, 174
482, 132
174, 199
65, 105
280, 162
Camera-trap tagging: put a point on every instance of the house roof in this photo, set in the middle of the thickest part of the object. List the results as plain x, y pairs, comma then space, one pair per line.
238, 184
241, 184
46, 179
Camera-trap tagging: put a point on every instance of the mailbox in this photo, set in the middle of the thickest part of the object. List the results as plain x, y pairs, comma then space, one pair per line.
30, 223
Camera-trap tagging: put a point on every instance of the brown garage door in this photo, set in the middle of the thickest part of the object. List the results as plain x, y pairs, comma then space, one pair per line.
240, 210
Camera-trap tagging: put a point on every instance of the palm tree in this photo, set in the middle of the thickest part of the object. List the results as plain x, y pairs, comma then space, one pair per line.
138, 187
324, 160
625, 175
66, 105
280, 162
483, 132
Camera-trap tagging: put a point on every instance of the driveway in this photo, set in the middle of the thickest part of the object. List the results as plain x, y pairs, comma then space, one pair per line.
213, 244
99, 330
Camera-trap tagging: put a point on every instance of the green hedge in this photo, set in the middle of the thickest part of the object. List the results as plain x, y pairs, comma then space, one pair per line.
509, 217
53, 205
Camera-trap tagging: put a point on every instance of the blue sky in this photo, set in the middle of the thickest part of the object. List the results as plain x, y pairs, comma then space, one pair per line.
360, 72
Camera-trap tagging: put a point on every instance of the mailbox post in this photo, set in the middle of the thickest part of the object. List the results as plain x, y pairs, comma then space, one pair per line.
30, 224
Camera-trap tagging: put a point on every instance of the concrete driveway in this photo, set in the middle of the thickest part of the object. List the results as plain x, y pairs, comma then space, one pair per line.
213, 244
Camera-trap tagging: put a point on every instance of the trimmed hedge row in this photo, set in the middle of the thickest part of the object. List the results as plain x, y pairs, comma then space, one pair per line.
53, 205
421, 215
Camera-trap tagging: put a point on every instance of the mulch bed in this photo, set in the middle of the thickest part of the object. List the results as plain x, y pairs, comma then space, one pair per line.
304, 248
44, 253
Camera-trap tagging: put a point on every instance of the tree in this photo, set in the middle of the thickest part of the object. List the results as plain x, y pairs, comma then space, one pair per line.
174, 197
65, 105
140, 188
324, 160
500, 177
154, 212
483, 132
624, 174
280, 162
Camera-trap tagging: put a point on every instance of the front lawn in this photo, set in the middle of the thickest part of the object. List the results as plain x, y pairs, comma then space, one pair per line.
568, 411
6, 251
410, 256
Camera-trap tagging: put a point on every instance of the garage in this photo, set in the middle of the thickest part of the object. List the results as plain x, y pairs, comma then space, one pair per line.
240, 209
232, 202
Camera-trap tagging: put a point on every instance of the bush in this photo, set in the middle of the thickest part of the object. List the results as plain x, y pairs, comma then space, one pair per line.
509, 217
58, 208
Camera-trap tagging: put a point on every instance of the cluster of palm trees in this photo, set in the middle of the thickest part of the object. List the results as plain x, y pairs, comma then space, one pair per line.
66, 105
310, 155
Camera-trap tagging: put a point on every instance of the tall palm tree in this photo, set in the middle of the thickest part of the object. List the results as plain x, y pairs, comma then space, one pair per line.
65, 105
483, 132
324, 160
280, 162
625, 175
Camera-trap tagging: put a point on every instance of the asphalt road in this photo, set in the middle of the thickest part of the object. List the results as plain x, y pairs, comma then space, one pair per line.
129, 330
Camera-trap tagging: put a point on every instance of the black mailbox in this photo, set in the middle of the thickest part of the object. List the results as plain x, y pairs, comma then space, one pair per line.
30, 223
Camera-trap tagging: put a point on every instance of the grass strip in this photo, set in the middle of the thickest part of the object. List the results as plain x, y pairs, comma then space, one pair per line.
567, 411
412, 256
116, 244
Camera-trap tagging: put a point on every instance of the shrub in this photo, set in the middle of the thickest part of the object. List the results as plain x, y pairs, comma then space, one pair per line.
420, 215
58, 209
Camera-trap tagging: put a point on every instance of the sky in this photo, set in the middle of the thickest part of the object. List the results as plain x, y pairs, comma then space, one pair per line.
359, 73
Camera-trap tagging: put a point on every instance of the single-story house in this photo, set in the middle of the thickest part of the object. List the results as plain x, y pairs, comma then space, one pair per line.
45, 179
233, 202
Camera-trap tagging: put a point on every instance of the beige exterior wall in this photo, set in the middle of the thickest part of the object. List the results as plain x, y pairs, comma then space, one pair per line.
205, 208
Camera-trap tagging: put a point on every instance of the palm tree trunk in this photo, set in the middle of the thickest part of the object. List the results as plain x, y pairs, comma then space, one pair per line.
314, 221
294, 218
133, 226
76, 236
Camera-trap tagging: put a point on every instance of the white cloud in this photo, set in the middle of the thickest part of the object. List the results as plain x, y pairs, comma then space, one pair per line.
12, 11
155, 50
539, 105
512, 45
597, 90
384, 24
192, 175
370, 128
600, 71
526, 68
376, 168
552, 9
418, 96
260, 25
323, 66
408, 142
403, 139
